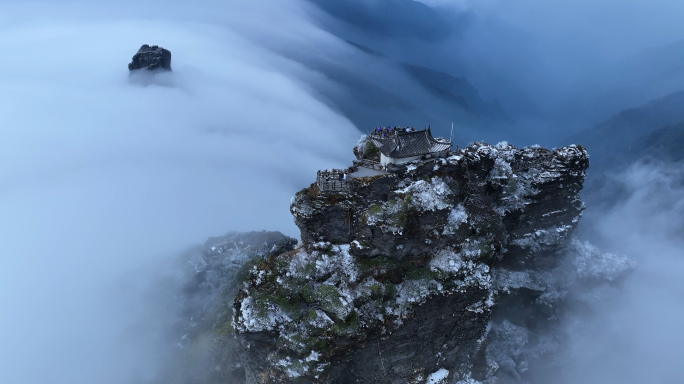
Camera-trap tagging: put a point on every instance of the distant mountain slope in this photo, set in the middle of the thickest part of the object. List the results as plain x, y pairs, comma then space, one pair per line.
371, 85
662, 148
424, 96
398, 18
457, 90
617, 134
647, 75
664, 145
371, 90
653, 163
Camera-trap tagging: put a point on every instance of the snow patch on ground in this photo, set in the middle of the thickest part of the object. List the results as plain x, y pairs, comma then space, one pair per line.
501, 170
457, 216
428, 196
468, 381
254, 319
388, 216
447, 261
339, 262
438, 377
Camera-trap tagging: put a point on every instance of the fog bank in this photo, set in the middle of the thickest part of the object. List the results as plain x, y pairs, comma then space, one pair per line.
102, 174
634, 334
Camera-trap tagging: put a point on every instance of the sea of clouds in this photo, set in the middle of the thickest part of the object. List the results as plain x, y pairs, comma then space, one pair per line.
102, 174
104, 177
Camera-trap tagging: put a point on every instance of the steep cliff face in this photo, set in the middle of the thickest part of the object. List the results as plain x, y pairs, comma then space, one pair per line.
396, 280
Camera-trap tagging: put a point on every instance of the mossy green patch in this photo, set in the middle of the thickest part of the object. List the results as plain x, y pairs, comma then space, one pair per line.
392, 267
329, 298
369, 265
309, 269
224, 324
485, 250
306, 292
376, 291
244, 272
419, 273
390, 291
347, 328
311, 316
375, 209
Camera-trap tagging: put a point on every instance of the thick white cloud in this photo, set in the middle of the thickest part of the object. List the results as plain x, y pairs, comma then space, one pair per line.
635, 334
101, 173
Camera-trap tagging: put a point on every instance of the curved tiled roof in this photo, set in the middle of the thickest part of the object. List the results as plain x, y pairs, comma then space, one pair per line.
409, 144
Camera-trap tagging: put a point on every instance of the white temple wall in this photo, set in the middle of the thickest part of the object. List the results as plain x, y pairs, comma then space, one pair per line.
384, 160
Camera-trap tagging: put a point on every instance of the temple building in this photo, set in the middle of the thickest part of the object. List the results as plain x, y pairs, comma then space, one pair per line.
401, 145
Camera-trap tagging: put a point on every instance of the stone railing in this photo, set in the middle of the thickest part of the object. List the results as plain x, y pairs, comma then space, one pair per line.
369, 164
332, 181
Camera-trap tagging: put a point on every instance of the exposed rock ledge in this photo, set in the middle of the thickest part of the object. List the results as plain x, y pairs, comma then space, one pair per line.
396, 280
151, 58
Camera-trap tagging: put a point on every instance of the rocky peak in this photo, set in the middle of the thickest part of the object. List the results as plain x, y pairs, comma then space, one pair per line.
501, 195
394, 280
151, 58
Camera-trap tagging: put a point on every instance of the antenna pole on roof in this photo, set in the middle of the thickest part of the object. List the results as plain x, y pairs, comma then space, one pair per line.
451, 138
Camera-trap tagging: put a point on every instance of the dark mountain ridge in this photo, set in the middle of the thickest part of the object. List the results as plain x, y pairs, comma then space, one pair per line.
396, 18
621, 132
662, 145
